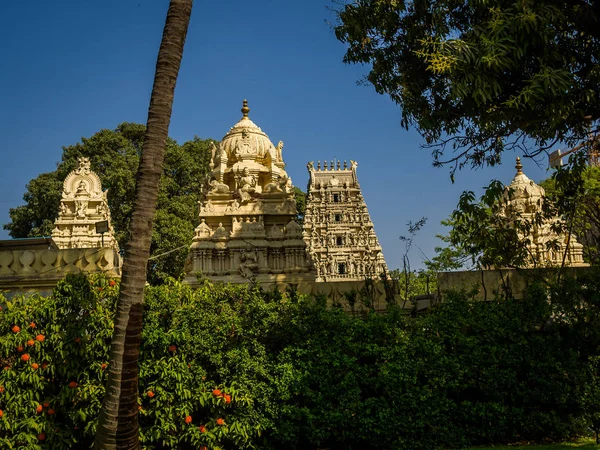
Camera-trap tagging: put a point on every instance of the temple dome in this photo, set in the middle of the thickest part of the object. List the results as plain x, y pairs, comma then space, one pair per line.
522, 187
245, 138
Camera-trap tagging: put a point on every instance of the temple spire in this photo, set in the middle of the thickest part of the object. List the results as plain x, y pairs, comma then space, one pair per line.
518, 166
245, 109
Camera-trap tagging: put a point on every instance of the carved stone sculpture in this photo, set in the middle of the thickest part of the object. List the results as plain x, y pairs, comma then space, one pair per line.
337, 225
82, 206
250, 205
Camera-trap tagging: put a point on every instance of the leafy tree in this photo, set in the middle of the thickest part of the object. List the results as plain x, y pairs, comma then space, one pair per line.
118, 426
586, 226
115, 155
481, 77
300, 197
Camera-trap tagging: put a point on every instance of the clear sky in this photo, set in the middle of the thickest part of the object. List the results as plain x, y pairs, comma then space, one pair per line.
72, 67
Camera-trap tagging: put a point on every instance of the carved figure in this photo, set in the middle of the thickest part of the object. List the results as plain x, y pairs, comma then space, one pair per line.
247, 186
279, 149
248, 264
218, 188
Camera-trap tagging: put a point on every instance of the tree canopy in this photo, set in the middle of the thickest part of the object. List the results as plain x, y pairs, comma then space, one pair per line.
114, 156
478, 77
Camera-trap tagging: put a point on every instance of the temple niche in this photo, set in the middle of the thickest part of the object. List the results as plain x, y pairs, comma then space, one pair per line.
82, 206
337, 227
247, 231
522, 200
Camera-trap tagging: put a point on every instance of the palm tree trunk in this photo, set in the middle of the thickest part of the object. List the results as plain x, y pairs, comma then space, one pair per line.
118, 421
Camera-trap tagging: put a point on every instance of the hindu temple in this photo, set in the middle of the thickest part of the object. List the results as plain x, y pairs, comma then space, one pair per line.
338, 229
248, 230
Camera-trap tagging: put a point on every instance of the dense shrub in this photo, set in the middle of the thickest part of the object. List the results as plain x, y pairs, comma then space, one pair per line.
235, 367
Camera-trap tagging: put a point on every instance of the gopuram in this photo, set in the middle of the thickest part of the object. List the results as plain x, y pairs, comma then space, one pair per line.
83, 205
522, 199
337, 227
247, 231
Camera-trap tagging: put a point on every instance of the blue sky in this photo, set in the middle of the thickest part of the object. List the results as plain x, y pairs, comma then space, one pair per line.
72, 68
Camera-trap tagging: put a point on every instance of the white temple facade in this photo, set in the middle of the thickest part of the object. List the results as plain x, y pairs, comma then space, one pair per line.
337, 227
522, 200
247, 231
83, 205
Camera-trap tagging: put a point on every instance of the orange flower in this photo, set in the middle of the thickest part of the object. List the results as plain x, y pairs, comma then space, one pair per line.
220, 421
20, 348
1, 413
103, 366
188, 419
216, 393
51, 412
35, 366
42, 436
32, 324
172, 348
40, 338
31, 342
73, 384
150, 394
16, 329
204, 447
227, 398
38, 409
202, 429
44, 365
25, 357
139, 407
1, 389
46, 404
111, 283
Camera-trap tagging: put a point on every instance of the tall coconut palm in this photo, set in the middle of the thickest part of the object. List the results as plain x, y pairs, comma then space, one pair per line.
118, 421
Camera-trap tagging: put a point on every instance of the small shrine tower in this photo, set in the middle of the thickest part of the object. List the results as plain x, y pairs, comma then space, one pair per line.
248, 231
522, 199
337, 227
84, 217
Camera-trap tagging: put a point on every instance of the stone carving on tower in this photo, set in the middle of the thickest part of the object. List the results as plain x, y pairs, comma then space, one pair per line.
82, 205
247, 231
337, 227
523, 200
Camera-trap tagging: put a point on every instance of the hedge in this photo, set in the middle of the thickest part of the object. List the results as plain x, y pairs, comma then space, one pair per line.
231, 367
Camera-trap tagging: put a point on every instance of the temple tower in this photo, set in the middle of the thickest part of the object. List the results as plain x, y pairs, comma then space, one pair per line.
337, 227
522, 200
247, 229
84, 217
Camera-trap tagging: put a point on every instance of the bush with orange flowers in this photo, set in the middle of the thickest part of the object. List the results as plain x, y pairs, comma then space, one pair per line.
268, 370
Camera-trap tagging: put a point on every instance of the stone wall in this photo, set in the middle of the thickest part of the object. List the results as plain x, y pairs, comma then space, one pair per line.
488, 284
37, 268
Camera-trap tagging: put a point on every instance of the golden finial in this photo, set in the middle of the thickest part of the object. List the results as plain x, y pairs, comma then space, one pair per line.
245, 109
519, 167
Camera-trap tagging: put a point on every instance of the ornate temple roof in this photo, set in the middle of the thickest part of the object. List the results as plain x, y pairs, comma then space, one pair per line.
522, 188
245, 137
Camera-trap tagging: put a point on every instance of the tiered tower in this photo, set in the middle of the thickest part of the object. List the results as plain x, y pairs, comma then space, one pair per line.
248, 230
82, 207
522, 200
337, 227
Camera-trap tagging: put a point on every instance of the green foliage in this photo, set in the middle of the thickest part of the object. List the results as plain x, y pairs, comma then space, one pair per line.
282, 371
586, 221
114, 156
300, 197
480, 77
